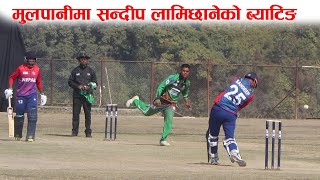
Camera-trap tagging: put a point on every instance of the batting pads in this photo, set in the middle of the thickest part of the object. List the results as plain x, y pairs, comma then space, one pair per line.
18, 125
32, 123
230, 144
212, 145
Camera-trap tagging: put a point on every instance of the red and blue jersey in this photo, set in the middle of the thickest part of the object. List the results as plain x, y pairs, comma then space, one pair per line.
28, 80
236, 96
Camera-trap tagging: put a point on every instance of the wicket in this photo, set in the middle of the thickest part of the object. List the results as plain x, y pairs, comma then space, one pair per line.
273, 143
111, 109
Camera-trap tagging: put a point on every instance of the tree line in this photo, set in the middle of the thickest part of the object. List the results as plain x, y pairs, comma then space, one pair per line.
228, 43
256, 44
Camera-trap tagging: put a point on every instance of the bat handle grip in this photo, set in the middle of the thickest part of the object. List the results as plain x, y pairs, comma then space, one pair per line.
9, 101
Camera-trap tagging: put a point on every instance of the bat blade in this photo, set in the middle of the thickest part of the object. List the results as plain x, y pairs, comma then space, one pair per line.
10, 121
10, 118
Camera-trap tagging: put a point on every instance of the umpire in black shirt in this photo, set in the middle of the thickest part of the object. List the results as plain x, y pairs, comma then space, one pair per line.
79, 79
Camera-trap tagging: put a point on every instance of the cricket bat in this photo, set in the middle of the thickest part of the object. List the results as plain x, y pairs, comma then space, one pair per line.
10, 118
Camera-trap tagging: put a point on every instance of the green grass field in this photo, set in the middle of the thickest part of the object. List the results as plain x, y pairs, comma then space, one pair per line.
136, 153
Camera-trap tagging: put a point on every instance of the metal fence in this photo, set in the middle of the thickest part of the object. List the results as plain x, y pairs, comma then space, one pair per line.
282, 90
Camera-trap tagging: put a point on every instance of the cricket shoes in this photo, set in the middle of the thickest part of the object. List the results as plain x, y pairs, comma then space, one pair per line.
130, 101
214, 160
235, 157
74, 133
30, 139
164, 143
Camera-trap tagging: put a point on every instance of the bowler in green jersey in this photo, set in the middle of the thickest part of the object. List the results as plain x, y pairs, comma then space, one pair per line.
166, 99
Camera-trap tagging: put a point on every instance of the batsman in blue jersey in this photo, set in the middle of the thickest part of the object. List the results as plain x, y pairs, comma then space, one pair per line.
224, 113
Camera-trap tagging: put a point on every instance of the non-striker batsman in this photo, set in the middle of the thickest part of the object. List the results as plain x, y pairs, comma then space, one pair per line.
28, 81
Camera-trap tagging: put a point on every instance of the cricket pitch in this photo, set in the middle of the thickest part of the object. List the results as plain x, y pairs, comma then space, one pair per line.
136, 153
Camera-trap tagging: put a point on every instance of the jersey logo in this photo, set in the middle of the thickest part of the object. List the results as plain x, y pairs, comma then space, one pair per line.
174, 91
33, 73
176, 83
77, 74
88, 74
24, 72
28, 79
169, 80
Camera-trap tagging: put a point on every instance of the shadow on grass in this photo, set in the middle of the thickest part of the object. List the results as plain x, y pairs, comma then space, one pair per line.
147, 144
60, 135
205, 163
7, 140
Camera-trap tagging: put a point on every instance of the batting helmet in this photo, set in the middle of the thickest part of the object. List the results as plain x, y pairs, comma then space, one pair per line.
30, 55
254, 77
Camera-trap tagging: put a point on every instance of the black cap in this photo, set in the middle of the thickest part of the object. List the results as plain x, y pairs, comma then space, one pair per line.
251, 75
31, 55
185, 65
83, 55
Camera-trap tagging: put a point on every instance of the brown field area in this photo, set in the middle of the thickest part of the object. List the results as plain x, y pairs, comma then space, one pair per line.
136, 153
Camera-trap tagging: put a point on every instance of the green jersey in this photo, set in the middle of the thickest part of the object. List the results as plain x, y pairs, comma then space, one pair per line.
171, 88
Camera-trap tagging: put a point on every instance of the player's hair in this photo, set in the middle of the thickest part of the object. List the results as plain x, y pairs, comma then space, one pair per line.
185, 65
